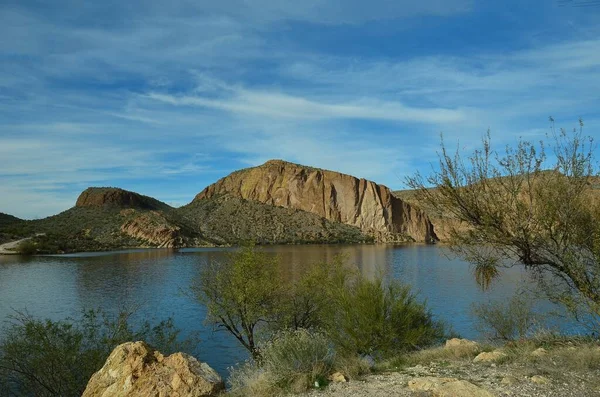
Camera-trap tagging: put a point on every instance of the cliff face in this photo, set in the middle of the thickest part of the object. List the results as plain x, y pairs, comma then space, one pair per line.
332, 195
153, 228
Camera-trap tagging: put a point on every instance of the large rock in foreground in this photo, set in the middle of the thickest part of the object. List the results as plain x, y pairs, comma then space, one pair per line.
135, 369
336, 197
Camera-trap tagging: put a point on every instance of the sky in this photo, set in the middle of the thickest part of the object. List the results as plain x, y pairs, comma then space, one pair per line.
166, 97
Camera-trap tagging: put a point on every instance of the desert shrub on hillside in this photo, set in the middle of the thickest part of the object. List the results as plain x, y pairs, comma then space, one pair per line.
27, 247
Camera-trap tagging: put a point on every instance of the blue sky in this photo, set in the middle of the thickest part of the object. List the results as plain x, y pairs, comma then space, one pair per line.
164, 98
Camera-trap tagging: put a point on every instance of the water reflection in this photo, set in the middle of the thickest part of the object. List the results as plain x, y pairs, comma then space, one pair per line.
157, 281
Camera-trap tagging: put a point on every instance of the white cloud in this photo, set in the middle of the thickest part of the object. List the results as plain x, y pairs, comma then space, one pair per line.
278, 105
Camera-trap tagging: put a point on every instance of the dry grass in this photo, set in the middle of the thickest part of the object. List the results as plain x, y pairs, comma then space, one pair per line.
293, 362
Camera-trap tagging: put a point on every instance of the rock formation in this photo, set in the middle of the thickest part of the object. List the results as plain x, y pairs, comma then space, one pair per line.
155, 229
108, 196
135, 369
335, 196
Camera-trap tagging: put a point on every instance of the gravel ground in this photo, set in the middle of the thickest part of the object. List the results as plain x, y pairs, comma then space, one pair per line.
513, 379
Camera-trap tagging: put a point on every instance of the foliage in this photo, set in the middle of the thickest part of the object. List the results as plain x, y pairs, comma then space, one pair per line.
293, 360
27, 247
310, 300
298, 358
506, 321
248, 297
240, 294
372, 317
57, 358
519, 212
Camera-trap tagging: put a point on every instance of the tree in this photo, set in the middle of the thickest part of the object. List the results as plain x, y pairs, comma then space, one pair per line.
241, 294
519, 210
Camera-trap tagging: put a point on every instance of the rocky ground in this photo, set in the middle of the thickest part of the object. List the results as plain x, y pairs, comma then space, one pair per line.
560, 371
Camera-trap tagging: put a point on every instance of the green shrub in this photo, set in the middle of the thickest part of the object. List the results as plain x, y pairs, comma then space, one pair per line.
371, 317
57, 358
506, 321
27, 247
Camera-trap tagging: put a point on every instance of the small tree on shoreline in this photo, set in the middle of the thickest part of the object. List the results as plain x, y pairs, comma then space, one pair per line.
518, 211
240, 294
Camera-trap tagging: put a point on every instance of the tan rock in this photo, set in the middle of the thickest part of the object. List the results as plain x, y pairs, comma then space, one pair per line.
335, 196
540, 380
428, 383
489, 356
135, 369
509, 380
460, 388
461, 346
338, 377
540, 352
447, 387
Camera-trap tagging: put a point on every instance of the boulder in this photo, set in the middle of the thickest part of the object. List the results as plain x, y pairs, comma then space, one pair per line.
540, 380
135, 369
509, 380
489, 356
338, 377
540, 352
447, 387
461, 347
428, 383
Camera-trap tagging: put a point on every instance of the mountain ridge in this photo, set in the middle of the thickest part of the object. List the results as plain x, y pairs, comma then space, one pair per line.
335, 196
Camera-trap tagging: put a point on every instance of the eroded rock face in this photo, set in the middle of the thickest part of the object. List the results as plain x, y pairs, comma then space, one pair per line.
107, 196
332, 195
135, 369
155, 229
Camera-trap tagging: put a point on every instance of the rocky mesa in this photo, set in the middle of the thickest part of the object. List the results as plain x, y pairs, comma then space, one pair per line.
112, 196
335, 196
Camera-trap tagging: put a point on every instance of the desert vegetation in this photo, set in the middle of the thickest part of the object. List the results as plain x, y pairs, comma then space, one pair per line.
526, 205
57, 358
299, 331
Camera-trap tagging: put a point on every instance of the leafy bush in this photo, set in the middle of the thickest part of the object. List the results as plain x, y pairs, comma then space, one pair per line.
506, 320
57, 358
370, 317
27, 247
247, 294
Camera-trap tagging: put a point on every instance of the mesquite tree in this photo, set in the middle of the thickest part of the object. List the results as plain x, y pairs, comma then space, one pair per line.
529, 206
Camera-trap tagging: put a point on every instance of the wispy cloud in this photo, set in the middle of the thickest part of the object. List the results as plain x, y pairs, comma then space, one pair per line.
166, 97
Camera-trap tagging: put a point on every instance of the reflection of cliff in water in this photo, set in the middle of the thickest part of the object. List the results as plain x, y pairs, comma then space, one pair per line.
371, 260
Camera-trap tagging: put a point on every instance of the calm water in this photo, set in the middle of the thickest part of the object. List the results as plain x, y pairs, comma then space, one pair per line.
60, 286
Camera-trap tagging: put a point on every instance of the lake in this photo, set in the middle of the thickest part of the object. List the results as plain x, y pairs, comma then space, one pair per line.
56, 287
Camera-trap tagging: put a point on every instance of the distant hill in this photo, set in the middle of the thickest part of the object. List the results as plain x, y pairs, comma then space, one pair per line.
332, 195
232, 220
6, 219
104, 197
113, 218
